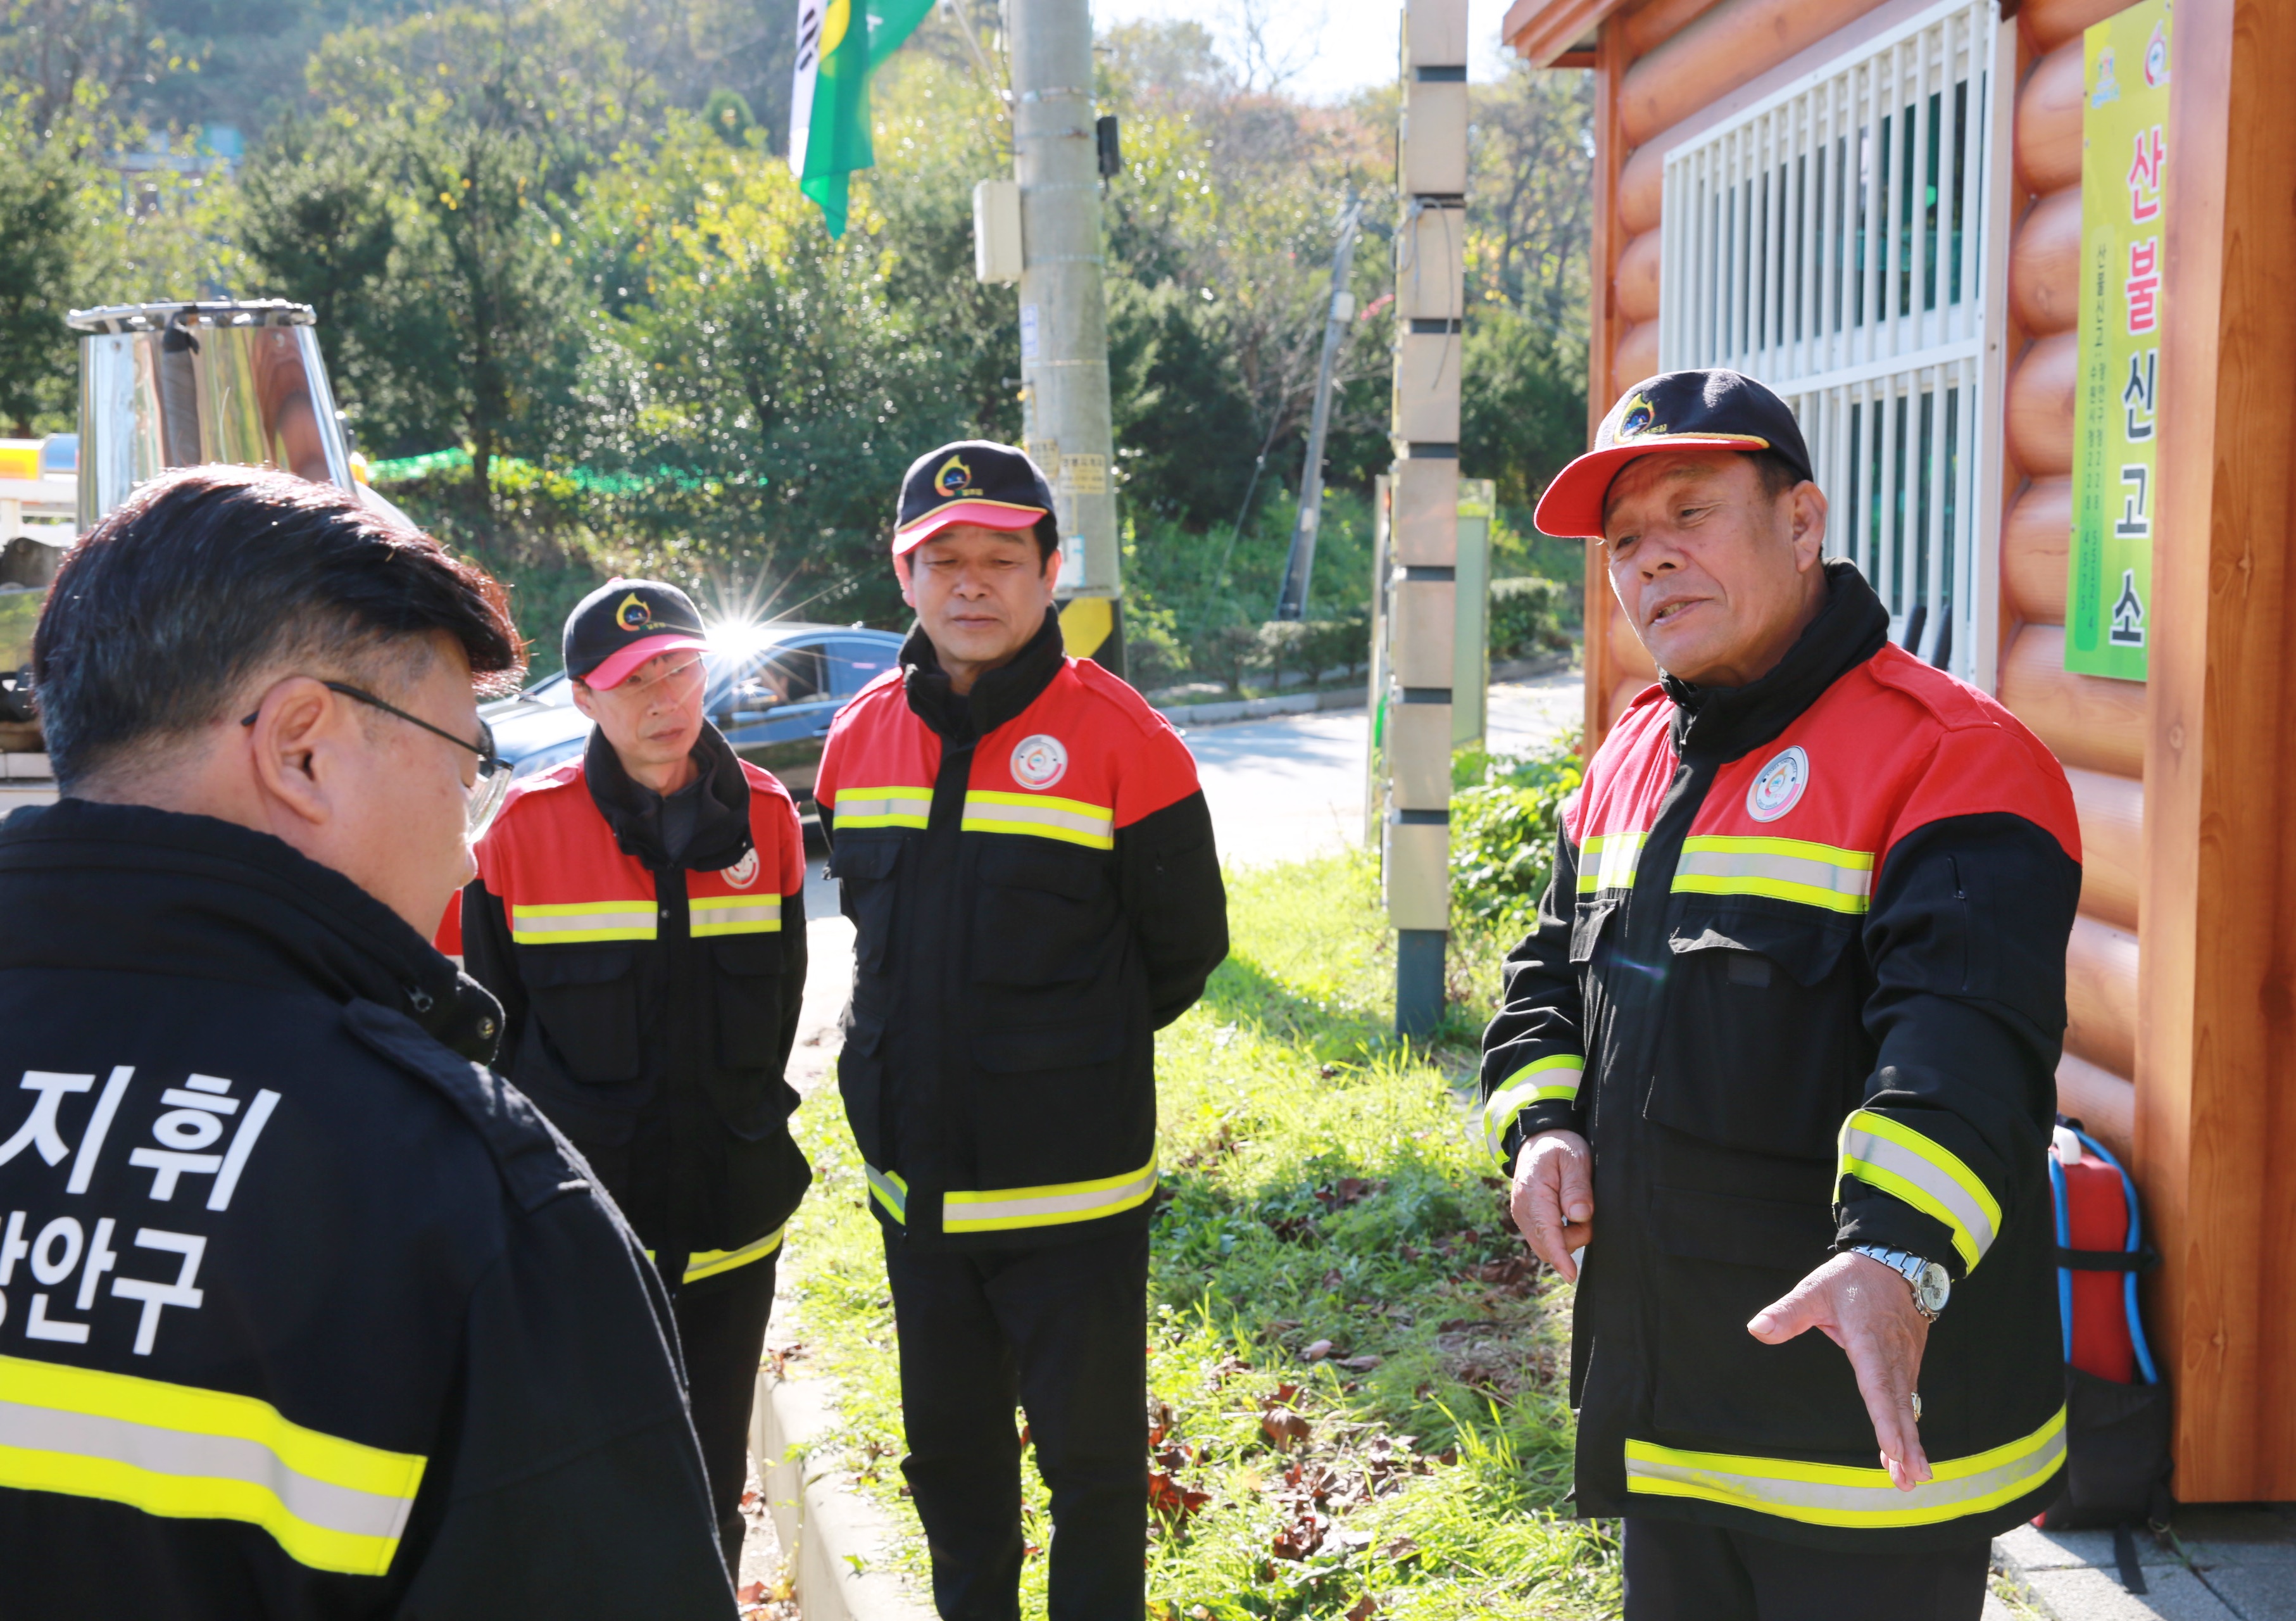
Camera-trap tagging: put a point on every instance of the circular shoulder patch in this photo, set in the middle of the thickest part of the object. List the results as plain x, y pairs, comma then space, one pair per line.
1778, 784
743, 873
1039, 762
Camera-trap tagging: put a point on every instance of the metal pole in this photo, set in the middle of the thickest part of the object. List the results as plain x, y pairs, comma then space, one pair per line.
1292, 601
1063, 311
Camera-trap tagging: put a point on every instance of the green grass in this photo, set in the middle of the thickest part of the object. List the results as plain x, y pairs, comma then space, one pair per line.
1356, 1378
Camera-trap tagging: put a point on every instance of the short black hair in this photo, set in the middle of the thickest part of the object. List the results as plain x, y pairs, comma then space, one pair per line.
1777, 473
209, 577
1048, 538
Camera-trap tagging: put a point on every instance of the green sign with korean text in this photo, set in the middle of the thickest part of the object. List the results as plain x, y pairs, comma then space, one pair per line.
2124, 211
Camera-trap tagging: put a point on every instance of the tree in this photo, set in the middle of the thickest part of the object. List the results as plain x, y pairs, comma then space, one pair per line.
429, 206
1523, 369
40, 187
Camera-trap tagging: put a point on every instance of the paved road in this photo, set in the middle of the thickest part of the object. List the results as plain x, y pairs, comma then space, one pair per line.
1292, 786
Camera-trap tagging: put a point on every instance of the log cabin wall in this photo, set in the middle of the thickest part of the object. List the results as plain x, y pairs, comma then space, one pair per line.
1665, 69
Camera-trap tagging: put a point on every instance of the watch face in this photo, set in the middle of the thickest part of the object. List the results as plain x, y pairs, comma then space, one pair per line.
1935, 1286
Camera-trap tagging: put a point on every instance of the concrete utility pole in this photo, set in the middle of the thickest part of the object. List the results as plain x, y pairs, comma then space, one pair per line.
1421, 589
1300, 565
1063, 311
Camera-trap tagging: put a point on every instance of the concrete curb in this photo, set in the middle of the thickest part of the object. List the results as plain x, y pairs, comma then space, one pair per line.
838, 1544
1260, 709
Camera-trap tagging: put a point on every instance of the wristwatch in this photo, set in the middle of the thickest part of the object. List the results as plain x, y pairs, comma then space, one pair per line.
1931, 1284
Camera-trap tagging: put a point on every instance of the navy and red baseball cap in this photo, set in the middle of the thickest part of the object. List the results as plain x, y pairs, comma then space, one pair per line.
974, 480
1703, 410
625, 622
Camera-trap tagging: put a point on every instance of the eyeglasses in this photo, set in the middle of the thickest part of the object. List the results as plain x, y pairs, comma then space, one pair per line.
484, 797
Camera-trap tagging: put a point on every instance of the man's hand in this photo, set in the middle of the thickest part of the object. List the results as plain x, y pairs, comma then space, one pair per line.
1868, 1310
1554, 1198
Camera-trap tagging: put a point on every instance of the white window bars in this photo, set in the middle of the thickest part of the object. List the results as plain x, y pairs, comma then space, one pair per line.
1832, 240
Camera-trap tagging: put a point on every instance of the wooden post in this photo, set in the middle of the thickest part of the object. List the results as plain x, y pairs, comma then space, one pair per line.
2216, 1116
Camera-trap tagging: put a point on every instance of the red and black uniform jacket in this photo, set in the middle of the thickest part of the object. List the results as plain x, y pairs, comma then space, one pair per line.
1799, 980
648, 1006
1030, 874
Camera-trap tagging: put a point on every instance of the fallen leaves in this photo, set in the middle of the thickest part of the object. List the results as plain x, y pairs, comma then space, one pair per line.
1168, 1498
1284, 1430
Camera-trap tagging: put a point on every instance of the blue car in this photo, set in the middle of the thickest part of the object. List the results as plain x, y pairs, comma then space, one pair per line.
773, 689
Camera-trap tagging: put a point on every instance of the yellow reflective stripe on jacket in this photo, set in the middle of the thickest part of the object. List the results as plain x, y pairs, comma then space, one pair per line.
579, 922
1891, 1156
1068, 819
1004, 1209
1606, 861
881, 807
1545, 1079
890, 1191
734, 915
1784, 869
710, 1263
182, 1452
1835, 1494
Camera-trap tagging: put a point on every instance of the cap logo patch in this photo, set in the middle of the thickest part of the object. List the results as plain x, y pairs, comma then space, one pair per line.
954, 479
631, 613
1639, 415
743, 873
1778, 786
1039, 762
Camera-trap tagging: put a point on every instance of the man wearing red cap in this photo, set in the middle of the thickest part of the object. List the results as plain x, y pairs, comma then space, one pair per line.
1790, 1022
639, 914
1028, 863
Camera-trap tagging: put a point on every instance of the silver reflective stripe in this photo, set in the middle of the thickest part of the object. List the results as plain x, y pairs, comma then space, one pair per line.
1068, 819
1836, 1495
736, 915
883, 808
892, 1192
1887, 1154
572, 924
1607, 860
1784, 869
1554, 1079
1003, 1209
159, 1450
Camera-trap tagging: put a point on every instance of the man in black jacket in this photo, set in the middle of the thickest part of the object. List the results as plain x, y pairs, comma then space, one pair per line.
1778, 1059
1027, 861
306, 1313
640, 914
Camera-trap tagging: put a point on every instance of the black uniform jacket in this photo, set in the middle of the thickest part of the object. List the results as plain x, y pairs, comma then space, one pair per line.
657, 1042
1799, 980
306, 1312
1031, 879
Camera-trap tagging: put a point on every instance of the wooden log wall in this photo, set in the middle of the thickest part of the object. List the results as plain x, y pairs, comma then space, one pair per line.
2097, 728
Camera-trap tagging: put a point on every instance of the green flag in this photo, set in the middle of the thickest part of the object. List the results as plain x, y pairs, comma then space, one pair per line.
838, 45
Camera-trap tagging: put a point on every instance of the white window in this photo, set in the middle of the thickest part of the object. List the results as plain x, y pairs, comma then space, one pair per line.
1834, 240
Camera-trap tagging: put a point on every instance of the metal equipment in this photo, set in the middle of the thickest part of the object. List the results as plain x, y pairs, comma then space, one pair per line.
177, 384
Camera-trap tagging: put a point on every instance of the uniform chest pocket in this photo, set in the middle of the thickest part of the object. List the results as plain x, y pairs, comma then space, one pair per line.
1586, 929
1046, 912
1761, 1044
865, 867
585, 1000
746, 975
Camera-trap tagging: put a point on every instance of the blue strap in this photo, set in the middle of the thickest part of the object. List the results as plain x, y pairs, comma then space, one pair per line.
2089, 1145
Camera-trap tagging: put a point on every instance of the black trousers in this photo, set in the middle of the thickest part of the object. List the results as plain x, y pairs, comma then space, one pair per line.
1062, 1332
721, 1332
1677, 1571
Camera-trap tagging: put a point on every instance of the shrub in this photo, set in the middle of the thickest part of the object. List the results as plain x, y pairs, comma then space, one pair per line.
1527, 617
1503, 831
